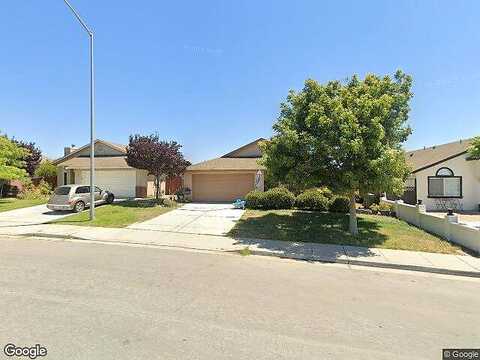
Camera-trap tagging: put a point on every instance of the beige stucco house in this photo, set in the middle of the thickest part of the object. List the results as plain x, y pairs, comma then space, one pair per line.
228, 177
444, 177
111, 170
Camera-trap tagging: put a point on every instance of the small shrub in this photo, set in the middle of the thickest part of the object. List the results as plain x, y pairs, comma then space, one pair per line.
385, 208
325, 192
375, 208
152, 202
339, 204
312, 199
278, 198
32, 192
169, 202
183, 194
254, 199
245, 251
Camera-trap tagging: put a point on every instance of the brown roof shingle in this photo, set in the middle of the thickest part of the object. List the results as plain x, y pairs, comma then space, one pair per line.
424, 158
227, 164
117, 162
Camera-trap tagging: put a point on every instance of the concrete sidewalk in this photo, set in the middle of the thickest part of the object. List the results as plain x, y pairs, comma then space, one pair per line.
398, 259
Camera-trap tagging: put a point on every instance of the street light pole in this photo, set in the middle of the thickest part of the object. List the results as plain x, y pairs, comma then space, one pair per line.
92, 112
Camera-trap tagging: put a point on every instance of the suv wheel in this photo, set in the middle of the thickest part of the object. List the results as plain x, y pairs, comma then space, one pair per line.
110, 198
79, 206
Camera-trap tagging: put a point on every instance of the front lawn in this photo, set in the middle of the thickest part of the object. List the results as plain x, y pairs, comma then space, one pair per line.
118, 214
7, 204
329, 228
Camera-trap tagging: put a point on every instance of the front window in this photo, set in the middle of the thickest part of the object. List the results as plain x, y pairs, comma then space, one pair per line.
444, 172
445, 184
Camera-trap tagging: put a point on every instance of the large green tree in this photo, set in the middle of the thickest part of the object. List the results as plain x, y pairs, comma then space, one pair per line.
474, 149
345, 135
11, 161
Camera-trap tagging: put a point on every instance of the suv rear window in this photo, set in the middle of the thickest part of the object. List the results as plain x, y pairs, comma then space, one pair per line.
64, 190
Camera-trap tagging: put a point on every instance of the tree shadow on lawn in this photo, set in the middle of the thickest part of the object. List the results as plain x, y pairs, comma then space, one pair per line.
141, 203
303, 228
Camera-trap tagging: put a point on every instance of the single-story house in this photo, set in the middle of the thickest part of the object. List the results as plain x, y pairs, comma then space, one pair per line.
228, 177
111, 170
444, 177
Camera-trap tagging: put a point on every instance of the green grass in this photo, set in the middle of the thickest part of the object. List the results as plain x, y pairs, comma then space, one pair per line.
245, 251
327, 228
7, 204
117, 215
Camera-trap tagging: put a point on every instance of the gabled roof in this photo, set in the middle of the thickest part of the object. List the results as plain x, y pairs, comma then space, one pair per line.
427, 157
227, 164
234, 160
118, 147
234, 153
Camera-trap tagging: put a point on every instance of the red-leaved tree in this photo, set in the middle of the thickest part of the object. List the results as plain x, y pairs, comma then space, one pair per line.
33, 158
160, 158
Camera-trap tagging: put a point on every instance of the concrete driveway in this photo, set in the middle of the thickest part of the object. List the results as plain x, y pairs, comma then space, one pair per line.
30, 216
195, 218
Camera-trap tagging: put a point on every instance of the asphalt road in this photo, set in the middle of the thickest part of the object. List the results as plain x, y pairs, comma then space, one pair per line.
93, 301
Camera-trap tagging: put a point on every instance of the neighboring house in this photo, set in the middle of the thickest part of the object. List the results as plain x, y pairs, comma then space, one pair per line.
443, 177
111, 170
228, 177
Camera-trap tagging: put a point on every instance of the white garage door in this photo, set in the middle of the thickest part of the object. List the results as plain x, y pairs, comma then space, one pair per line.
120, 182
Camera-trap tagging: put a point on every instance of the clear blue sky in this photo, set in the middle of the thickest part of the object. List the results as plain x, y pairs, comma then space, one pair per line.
211, 74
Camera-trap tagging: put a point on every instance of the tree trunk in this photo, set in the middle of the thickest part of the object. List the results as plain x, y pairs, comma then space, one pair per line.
353, 216
157, 187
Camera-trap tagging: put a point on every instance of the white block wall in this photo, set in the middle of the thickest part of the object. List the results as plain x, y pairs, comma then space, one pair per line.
448, 227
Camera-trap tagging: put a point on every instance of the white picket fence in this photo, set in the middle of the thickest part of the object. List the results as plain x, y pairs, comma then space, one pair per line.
448, 227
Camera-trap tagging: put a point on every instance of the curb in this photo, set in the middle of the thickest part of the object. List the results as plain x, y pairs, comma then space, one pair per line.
432, 270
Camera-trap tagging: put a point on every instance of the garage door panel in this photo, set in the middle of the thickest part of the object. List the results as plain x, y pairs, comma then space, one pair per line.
120, 182
221, 187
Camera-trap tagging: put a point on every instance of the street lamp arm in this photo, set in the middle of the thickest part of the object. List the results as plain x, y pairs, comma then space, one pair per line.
80, 20
92, 112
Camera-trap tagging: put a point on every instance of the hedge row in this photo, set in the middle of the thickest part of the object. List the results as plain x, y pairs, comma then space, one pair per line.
320, 199
275, 198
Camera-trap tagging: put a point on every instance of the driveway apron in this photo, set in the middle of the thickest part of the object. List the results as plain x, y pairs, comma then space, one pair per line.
33, 215
195, 218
